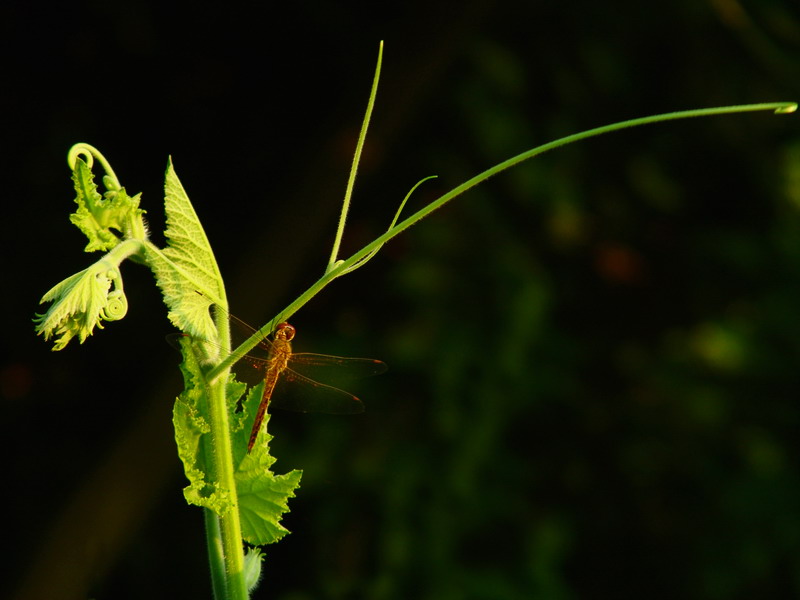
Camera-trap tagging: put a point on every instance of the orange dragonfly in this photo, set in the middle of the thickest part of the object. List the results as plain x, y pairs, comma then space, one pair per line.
276, 364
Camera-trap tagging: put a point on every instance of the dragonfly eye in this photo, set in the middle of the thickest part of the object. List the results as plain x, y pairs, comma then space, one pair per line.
285, 332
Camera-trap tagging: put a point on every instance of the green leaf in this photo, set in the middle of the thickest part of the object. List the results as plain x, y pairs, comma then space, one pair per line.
81, 302
263, 496
187, 265
106, 219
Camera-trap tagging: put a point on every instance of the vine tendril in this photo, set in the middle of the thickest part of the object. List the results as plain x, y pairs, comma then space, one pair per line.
89, 153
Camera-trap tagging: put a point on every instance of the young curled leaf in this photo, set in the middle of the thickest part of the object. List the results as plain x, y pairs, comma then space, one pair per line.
81, 302
106, 219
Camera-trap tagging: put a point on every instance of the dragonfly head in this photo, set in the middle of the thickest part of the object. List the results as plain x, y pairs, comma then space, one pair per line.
285, 332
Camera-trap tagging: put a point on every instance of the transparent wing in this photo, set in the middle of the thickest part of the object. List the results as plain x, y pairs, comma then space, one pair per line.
301, 394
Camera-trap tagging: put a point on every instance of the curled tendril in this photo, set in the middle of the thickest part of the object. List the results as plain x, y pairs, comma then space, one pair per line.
117, 302
80, 150
88, 153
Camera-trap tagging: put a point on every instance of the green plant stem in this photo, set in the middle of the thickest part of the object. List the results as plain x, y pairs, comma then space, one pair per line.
223, 526
229, 524
777, 107
337, 240
216, 553
222, 457
223, 533
357, 259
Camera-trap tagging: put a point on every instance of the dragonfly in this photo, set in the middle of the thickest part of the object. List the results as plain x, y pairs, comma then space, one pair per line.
277, 366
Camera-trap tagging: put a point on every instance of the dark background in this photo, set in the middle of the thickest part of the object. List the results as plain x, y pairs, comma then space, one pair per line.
593, 386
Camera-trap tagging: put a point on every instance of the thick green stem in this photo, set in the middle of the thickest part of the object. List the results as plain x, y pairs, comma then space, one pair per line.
224, 533
216, 554
222, 458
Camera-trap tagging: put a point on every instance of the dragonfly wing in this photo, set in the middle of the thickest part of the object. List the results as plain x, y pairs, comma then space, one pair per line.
325, 367
301, 394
